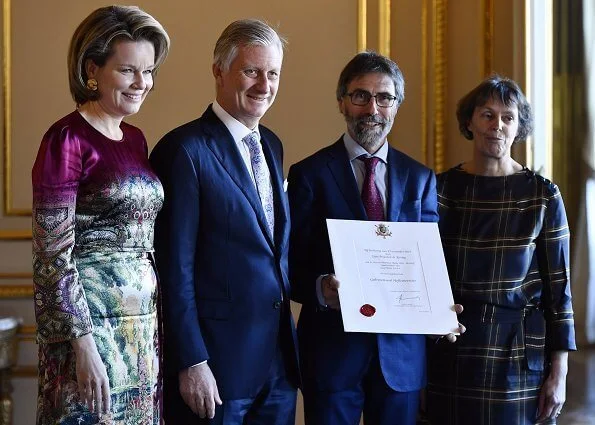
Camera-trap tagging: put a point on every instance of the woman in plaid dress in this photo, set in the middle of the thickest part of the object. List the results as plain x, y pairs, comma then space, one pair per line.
505, 238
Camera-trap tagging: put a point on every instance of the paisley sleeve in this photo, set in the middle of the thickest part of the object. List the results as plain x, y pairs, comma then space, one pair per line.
61, 308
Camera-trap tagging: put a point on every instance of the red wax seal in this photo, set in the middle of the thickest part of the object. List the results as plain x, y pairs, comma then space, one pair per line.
367, 310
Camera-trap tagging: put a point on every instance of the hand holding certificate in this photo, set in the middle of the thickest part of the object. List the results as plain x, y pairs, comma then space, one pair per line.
393, 277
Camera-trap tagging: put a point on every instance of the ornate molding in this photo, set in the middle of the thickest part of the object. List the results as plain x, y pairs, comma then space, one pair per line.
9, 210
362, 25
384, 27
16, 291
27, 333
424, 82
25, 371
16, 275
16, 235
439, 56
488, 37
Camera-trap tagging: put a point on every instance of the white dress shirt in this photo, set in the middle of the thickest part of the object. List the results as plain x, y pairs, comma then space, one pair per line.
238, 132
354, 150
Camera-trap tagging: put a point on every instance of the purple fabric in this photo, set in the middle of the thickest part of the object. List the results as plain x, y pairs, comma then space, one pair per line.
95, 201
370, 193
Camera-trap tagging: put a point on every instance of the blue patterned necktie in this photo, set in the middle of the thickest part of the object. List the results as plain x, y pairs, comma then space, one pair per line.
370, 193
262, 178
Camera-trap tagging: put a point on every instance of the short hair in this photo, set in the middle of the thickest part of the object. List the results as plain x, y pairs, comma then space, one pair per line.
502, 90
244, 32
371, 62
95, 37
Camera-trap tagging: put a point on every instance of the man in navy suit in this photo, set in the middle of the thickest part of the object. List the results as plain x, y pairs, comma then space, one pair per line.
345, 374
230, 352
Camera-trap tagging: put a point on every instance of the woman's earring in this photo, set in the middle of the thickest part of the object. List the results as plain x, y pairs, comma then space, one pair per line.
92, 84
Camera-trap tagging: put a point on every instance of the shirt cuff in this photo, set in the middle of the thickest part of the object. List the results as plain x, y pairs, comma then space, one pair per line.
198, 364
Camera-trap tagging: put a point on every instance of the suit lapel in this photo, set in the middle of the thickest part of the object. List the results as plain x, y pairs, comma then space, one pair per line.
225, 150
397, 177
341, 170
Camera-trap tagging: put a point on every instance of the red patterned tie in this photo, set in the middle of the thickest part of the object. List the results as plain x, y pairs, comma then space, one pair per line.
370, 193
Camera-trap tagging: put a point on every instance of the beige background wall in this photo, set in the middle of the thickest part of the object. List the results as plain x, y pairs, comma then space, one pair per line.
442, 47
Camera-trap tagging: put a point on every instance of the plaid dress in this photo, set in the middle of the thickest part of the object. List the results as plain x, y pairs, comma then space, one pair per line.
506, 243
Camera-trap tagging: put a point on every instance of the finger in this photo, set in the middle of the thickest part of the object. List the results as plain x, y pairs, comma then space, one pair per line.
210, 406
82, 393
98, 398
217, 398
333, 283
555, 412
89, 397
451, 338
458, 308
541, 407
190, 402
200, 406
106, 397
549, 410
462, 329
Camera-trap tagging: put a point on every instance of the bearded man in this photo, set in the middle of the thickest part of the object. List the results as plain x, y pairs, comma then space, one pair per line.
359, 177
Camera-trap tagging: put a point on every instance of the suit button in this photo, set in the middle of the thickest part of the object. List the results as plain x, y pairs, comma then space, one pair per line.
277, 305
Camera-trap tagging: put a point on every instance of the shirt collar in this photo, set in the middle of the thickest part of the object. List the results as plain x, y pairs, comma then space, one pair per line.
237, 129
354, 150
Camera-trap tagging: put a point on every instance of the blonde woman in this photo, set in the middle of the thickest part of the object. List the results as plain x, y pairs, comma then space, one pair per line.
95, 199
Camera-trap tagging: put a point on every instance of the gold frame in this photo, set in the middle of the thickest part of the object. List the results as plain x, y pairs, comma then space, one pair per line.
26, 333
28, 371
424, 83
384, 27
16, 275
362, 25
16, 291
7, 105
9, 235
488, 37
439, 53
16, 235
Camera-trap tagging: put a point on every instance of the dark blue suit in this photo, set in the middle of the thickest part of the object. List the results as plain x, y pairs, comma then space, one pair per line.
323, 186
224, 280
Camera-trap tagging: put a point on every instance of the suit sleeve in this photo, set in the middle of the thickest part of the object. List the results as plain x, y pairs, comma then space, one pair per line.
304, 259
429, 200
176, 232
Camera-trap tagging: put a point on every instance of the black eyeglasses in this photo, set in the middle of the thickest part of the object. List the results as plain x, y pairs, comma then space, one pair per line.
362, 98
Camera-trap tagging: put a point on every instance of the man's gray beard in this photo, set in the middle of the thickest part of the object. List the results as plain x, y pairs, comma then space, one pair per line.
369, 139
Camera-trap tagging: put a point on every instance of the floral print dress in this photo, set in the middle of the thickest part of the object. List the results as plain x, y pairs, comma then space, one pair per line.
95, 201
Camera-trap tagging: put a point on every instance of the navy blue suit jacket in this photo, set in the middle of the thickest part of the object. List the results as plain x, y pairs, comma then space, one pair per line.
323, 186
225, 288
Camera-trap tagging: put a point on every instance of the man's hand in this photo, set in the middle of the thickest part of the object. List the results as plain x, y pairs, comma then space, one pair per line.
91, 376
451, 337
199, 390
330, 286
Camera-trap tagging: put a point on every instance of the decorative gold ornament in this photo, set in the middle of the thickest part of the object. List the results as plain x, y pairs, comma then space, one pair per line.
92, 84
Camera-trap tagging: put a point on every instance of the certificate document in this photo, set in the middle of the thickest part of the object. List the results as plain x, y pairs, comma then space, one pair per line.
393, 277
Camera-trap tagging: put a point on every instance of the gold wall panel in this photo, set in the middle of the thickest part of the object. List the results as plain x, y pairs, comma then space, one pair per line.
28, 371
362, 27
384, 27
424, 84
15, 235
440, 88
9, 210
14, 291
488, 37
